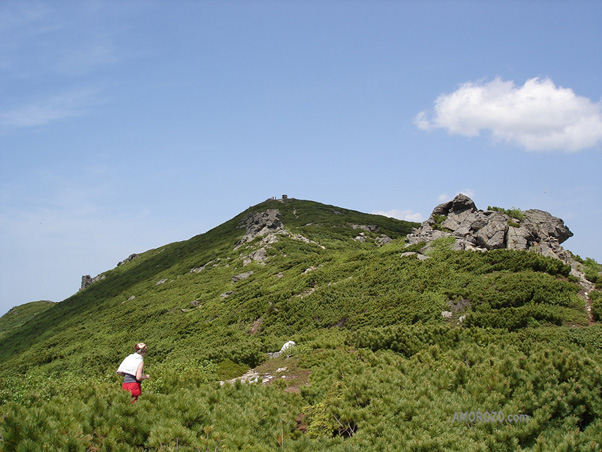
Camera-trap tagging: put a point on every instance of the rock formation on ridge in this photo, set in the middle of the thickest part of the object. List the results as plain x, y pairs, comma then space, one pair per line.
475, 229
492, 229
258, 224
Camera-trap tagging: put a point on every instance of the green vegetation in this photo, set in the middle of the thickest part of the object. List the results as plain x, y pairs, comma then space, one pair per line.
439, 219
377, 365
514, 213
596, 298
593, 271
22, 314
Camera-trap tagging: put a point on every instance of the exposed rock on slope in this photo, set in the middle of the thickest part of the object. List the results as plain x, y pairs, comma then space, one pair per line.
258, 224
474, 229
492, 229
87, 280
266, 224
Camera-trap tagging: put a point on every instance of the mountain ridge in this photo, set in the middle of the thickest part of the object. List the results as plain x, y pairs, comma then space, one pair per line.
180, 258
392, 340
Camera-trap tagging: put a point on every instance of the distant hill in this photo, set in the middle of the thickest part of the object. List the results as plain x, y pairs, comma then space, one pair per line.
19, 315
392, 342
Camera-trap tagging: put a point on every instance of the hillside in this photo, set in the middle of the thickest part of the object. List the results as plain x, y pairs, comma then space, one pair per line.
392, 342
19, 315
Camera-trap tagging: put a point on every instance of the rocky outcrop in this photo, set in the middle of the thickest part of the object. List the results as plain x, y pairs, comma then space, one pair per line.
532, 230
269, 227
87, 280
130, 258
473, 229
492, 229
258, 224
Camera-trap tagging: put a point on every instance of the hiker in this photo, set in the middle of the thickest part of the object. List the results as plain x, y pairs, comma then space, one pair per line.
132, 369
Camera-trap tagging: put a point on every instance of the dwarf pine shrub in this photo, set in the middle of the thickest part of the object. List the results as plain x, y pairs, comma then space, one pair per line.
593, 271
596, 297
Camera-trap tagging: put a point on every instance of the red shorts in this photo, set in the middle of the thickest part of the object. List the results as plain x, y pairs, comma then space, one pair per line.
134, 388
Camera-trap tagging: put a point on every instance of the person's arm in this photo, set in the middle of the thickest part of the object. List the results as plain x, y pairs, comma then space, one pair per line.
139, 375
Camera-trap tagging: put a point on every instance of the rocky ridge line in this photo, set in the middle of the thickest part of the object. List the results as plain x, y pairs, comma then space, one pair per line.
481, 230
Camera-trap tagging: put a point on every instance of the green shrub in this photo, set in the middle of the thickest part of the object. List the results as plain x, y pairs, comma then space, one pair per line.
596, 298
593, 271
515, 212
439, 219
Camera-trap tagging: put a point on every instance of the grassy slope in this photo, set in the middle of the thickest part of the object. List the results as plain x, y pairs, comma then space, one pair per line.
381, 356
102, 320
22, 314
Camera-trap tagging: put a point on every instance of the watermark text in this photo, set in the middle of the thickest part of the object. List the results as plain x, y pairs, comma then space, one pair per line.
476, 417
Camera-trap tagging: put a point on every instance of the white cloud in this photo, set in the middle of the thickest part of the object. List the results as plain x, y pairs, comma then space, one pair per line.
537, 116
67, 105
406, 215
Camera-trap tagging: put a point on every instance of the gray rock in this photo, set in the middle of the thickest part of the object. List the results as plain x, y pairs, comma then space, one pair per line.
130, 258
311, 269
478, 229
200, 269
258, 224
466, 245
546, 226
259, 255
87, 280
421, 257
241, 276
493, 235
519, 238
383, 240
461, 203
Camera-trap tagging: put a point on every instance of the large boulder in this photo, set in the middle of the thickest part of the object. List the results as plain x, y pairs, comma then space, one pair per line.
545, 226
489, 229
492, 235
520, 238
460, 204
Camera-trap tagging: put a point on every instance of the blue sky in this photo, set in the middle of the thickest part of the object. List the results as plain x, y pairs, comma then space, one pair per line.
128, 125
